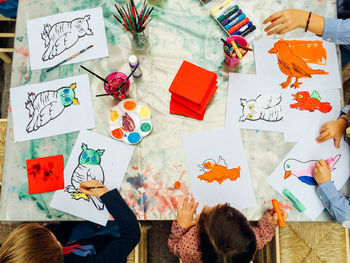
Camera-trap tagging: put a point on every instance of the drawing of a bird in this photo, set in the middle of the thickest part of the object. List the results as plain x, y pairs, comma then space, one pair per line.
89, 168
292, 65
217, 171
48, 105
264, 107
312, 102
304, 170
63, 35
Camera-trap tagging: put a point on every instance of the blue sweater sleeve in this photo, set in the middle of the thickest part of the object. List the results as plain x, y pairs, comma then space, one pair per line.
336, 30
337, 205
119, 248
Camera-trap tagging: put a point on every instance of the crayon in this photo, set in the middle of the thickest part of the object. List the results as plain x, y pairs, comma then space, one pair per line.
235, 49
229, 19
224, 10
294, 200
228, 13
247, 31
241, 30
217, 8
277, 209
235, 21
238, 25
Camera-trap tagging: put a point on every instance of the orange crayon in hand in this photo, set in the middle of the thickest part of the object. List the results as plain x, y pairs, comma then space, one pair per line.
277, 209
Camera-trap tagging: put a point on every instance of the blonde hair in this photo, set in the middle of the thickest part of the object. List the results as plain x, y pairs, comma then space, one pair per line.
31, 243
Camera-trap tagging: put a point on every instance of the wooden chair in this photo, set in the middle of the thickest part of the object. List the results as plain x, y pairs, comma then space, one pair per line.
3, 124
3, 51
139, 254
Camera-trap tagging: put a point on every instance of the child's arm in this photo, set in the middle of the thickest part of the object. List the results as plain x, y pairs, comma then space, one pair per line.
337, 205
183, 240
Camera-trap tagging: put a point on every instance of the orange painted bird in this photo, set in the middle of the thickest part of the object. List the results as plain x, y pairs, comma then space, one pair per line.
312, 102
292, 65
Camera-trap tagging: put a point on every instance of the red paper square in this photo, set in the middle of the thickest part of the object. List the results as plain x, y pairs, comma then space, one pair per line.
177, 108
45, 174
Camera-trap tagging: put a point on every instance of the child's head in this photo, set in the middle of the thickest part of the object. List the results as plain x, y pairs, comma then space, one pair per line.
31, 243
225, 236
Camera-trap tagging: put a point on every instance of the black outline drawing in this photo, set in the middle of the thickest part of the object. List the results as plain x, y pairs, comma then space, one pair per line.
63, 35
269, 108
288, 173
86, 172
45, 107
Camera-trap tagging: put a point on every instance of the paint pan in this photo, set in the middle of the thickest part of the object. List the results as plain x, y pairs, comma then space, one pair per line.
129, 121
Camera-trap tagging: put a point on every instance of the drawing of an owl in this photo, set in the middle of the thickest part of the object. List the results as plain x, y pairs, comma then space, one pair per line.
63, 35
48, 105
263, 107
89, 168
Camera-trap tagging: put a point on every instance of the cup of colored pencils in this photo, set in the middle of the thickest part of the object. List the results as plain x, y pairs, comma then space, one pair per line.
134, 22
235, 48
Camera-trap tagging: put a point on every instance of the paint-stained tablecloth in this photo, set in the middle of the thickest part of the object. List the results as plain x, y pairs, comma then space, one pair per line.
180, 30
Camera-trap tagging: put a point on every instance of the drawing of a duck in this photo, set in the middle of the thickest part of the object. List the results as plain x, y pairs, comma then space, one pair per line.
217, 171
304, 170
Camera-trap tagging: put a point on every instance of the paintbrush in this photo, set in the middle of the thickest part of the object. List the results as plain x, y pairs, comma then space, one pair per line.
95, 187
67, 59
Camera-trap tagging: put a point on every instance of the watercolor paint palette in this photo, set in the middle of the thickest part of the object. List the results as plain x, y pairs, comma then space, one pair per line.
129, 121
234, 20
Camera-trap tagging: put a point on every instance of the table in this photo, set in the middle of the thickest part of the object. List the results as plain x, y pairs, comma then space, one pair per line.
180, 30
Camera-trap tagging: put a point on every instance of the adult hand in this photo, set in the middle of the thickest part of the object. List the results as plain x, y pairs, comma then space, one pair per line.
322, 172
286, 20
101, 190
185, 212
272, 216
332, 129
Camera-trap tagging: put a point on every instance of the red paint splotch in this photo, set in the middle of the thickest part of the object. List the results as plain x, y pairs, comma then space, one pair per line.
22, 51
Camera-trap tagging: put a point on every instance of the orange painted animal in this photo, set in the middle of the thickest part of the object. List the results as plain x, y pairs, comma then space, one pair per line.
218, 171
292, 65
308, 102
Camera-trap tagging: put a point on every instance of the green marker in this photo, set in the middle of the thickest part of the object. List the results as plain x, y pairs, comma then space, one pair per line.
230, 11
294, 200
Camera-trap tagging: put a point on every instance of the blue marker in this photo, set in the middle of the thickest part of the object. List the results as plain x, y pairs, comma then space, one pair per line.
241, 30
235, 21
229, 19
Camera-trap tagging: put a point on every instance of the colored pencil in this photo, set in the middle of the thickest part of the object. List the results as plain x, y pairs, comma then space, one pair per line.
67, 59
95, 187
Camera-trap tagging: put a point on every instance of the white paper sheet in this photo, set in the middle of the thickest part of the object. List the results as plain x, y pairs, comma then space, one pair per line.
298, 122
267, 64
253, 103
52, 39
221, 152
45, 109
109, 166
300, 158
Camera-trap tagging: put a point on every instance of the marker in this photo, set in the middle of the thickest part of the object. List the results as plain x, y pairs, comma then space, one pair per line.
235, 21
241, 30
228, 13
247, 31
225, 43
294, 200
277, 209
229, 19
217, 8
67, 59
224, 10
238, 25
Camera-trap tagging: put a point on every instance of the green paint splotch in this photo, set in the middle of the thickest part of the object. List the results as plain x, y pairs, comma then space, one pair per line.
23, 194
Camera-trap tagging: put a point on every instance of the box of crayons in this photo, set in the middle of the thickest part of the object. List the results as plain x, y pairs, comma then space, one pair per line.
232, 18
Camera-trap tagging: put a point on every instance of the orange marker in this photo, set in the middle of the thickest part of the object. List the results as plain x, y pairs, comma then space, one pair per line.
277, 209
238, 25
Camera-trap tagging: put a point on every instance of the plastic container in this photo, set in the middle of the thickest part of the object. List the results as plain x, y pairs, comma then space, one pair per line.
133, 63
117, 78
232, 61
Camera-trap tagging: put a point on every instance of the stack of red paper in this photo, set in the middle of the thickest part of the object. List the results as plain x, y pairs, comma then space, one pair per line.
191, 90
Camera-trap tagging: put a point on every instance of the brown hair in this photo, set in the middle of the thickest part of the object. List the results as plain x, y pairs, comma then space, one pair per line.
31, 243
225, 236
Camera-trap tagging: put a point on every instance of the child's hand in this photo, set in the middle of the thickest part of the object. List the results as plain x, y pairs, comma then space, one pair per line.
332, 129
273, 218
322, 172
185, 213
286, 20
93, 192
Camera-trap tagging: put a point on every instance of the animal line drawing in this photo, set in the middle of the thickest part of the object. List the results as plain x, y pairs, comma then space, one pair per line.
263, 107
217, 171
63, 35
292, 65
308, 102
48, 105
89, 168
304, 170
